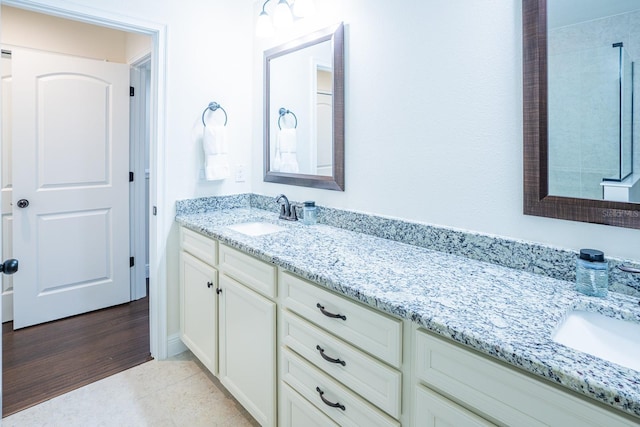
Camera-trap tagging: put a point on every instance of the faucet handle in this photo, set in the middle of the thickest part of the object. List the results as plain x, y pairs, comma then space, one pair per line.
294, 213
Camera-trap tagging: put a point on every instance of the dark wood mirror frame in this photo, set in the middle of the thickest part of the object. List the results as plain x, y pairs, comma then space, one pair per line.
336, 181
537, 200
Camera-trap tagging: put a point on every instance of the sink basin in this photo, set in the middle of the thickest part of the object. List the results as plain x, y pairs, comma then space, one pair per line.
256, 228
615, 340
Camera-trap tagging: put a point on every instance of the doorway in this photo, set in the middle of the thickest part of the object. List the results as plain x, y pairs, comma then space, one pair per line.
82, 110
157, 32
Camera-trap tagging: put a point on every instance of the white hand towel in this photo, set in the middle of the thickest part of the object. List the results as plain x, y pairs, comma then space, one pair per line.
216, 167
287, 142
276, 161
214, 144
214, 140
289, 163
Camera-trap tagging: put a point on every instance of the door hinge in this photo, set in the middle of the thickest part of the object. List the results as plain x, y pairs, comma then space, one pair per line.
155, 210
131, 262
132, 91
130, 176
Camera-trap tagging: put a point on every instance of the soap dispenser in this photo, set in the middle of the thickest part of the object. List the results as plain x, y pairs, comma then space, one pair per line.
309, 213
592, 273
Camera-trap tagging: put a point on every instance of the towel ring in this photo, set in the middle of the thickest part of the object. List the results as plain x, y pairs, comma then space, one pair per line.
213, 106
283, 111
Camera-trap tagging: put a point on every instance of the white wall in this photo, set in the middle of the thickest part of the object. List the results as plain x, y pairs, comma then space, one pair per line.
136, 46
434, 120
33, 30
37, 31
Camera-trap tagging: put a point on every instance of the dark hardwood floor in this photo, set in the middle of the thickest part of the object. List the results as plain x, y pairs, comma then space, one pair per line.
44, 361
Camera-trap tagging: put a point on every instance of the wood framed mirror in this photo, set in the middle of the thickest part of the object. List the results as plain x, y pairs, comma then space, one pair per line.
537, 198
304, 111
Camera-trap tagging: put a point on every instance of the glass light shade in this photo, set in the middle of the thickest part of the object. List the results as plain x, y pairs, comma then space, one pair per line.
282, 17
264, 28
304, 8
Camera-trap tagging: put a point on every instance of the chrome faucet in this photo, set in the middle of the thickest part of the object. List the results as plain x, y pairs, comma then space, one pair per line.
287, 211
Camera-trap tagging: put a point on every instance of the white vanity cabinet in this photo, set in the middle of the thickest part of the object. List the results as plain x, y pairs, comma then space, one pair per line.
338, 356
228, 319
433, 410
198, 305
491, 392
329, 360
248, 332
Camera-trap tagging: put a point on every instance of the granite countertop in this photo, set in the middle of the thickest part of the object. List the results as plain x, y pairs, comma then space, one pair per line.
502, 312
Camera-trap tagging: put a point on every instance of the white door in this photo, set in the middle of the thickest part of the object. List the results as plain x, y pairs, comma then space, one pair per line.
70, 164
5, 187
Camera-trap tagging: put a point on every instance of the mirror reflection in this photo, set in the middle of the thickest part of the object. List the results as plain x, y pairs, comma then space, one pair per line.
592, 99
304, 111
301, 104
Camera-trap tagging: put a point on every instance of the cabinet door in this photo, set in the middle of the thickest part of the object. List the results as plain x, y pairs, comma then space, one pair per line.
296, 411
434, 410
248, 349
198, 309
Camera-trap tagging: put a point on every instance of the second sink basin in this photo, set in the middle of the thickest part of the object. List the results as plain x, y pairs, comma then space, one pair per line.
256, 228
615, 340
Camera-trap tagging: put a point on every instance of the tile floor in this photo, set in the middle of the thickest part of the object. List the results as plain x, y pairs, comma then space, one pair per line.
172, 393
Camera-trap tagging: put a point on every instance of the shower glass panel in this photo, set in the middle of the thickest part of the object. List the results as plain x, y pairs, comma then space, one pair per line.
590, 119
626, 119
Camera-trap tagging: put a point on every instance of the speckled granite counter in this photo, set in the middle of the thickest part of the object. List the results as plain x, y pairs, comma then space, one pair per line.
499, 311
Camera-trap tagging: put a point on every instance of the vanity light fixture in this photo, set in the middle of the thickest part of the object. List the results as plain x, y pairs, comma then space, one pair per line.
283, 15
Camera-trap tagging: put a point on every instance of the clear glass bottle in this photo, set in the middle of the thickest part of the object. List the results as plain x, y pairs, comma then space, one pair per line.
309, 213
592, 273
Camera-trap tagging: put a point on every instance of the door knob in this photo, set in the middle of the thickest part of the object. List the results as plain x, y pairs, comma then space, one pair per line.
10, 266
23, 203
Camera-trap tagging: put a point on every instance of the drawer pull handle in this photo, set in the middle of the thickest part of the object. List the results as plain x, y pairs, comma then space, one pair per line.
326, 402
329, 359
628, 269
333, 316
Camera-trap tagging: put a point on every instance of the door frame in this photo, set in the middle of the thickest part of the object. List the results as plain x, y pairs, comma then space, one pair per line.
138, 207
159, 223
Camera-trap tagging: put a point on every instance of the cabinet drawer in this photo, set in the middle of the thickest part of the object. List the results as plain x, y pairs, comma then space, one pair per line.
499, 392
296, 411
257, 275
200, 246
363, 327
434, 410
373, 380
310, 382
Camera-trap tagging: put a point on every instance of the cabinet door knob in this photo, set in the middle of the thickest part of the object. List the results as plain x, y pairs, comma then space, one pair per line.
218, 291
209, 284
328, 403
329, 359
333, 316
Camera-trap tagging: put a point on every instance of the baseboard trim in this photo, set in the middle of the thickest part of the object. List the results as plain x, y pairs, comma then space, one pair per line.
175, 345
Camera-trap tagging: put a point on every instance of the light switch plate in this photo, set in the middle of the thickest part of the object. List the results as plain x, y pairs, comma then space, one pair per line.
240, 173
